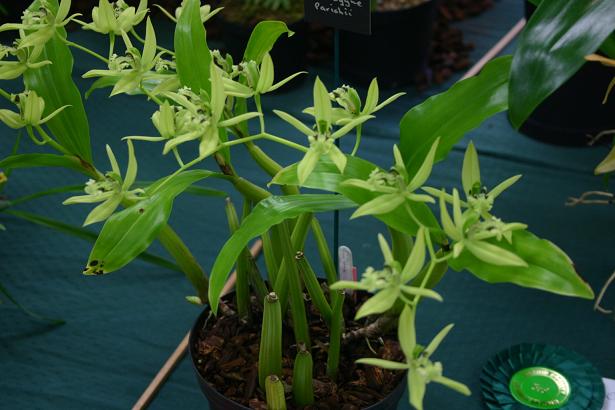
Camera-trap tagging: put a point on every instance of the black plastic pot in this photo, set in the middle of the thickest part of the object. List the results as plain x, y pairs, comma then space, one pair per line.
217, 401
575, 110
289, 53
397, 50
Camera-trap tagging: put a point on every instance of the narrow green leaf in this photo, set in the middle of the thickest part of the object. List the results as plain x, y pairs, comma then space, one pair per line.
44, 160
269, 212
192, 54
552, 47
451, 114
85, 234
27, 311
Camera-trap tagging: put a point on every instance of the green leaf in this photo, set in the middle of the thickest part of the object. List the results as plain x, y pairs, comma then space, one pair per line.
385, 364
262, 39
192, 54
451, 114
128, 233
44, 160
54, 83
268, 212
549, 268
552, 47
84, 234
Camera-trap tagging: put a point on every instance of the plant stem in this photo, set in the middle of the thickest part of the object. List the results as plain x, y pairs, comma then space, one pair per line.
323, 250
313, 287
242, 287
85, 50
259, 108
303, 385
51, 141
5, 95
337, 324
111, 44
285, 142
272, 262
186, 261
297, 239
357, 141
270, 350
274, 393
297, 305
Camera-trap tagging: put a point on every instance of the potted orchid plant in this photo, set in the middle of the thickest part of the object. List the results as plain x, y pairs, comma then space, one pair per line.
288, 336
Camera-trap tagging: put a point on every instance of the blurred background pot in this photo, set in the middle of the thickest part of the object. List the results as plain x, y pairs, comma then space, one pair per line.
397, 50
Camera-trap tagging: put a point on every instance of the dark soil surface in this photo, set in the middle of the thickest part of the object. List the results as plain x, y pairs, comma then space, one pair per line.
228, 354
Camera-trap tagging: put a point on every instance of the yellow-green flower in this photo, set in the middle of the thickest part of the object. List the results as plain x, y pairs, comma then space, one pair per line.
41, 24
117, 17
111, 190
31, 108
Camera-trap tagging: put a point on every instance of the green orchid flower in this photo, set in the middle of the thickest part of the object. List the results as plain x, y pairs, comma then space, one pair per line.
396, 186
194, 117
31, 108
350, 106
322, 136
127, 73
391, 282
111, 190
26, 59
37, 27
259, 78
468, 232
116, 18
206, 12
421, 369
478, 198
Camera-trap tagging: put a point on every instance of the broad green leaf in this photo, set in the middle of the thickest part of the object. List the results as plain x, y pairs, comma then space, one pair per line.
128, 233
54, 83
85, 234
44, 160
552, 47
267, 213
549, 268
385, 364
192, 54
262, 39
451, 114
